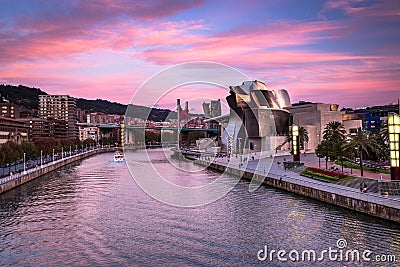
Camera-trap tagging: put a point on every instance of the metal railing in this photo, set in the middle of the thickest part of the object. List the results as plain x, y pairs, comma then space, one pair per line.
15, 176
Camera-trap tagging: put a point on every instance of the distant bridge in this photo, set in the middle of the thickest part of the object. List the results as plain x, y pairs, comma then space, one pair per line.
133, 135
158, 128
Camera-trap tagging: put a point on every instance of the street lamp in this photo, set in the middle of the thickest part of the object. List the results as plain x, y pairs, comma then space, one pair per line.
62, 152
295, 143
41, 158
70, 151
53, 154
394, 147
24, 162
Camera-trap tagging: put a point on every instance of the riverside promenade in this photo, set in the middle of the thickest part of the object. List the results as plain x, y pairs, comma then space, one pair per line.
12, 181
386, 207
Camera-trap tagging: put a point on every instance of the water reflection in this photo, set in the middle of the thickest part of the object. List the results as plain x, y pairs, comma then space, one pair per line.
93, 213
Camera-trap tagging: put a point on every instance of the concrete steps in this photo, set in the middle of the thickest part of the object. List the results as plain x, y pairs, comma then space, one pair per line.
372, 185
390, 188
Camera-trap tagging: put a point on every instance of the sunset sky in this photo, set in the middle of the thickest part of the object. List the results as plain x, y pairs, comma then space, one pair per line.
345, 52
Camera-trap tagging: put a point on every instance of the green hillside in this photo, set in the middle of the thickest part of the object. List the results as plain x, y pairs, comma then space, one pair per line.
27, 98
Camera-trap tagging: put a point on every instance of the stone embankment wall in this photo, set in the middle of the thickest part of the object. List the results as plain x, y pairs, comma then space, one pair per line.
368, 207
11, 182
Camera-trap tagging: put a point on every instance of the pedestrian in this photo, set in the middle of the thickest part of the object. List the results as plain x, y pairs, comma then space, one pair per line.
380, 179
361, 187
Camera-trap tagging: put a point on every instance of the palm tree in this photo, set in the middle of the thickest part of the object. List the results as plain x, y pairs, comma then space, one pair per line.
385, 132
362, 142
334, 132
382, 146
303, 137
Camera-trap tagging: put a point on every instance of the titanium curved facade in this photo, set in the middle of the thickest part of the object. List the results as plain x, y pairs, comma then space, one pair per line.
256, 115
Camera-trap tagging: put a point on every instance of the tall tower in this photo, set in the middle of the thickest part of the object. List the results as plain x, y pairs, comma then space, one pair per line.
61, 108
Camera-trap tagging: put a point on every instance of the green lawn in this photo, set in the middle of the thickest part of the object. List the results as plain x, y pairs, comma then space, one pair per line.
357, 166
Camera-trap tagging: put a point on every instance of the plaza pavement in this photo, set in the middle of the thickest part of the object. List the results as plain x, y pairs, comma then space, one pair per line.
277, 171
311, 160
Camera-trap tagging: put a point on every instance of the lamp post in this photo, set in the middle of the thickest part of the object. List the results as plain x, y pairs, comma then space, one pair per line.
394, 145
53, 154
24, 162
62, 152
295, 143
41, 158
178, 111
70, 151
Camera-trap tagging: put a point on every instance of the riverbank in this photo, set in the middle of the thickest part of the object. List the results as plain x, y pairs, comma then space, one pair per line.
13, 181
368, 203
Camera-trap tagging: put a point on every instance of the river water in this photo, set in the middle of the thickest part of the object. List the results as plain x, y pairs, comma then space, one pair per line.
92, 213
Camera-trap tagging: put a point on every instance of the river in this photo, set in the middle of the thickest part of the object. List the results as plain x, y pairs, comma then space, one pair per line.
92, 213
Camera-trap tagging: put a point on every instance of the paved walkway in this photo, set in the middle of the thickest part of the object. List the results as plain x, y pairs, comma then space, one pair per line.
278, 172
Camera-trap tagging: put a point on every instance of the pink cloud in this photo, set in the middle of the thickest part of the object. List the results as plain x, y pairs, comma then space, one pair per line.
246, 57
363, 10
50, 52
82, 26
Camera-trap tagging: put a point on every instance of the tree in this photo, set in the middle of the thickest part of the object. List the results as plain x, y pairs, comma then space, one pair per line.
29, 149
152, 138
47, 144
335, 134
168, 137
86, 142
334, 131
384, 132
322, 151
303, 137
107, 141
381, 151
363, 143
12, 152
2, 157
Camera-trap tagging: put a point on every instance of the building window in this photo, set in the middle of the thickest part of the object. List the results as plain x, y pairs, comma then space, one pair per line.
251, 146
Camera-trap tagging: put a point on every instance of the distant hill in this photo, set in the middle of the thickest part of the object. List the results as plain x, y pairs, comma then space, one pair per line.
28, 97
